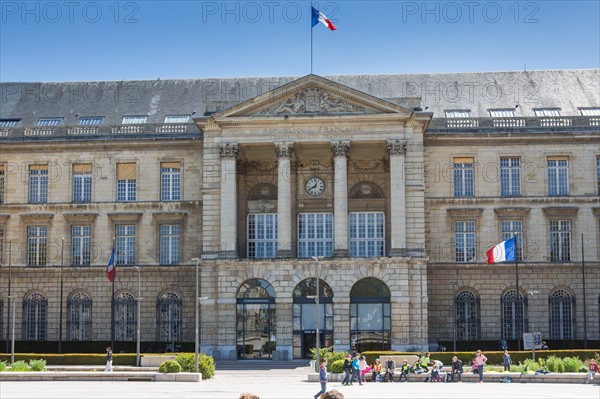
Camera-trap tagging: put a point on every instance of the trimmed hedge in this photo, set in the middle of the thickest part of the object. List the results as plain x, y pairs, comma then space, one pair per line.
74, 359
169, 367
206, 364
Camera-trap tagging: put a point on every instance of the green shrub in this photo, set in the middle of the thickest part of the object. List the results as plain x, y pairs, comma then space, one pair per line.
37, 364
2, 366
573, 364
555, 364
336, 366
76, 359
330, 355
20, 366
169, 366
206, 364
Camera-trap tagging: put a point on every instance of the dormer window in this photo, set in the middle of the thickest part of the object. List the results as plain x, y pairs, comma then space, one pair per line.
177, 118
134, 120
502, 113
547, 112
458, 113
9, 122
91, 120
50, 121
590, 111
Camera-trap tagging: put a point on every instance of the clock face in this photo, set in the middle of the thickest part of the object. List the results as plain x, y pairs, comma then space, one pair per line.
315, 186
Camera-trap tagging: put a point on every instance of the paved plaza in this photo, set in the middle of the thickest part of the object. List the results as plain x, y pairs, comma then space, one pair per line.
276, 384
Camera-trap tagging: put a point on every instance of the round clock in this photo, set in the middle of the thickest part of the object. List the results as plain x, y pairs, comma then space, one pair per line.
314, 186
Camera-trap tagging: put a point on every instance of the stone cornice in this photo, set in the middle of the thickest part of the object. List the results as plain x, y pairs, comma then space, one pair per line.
4, 217
36, 217
561, 211
465, 213
596, 212
170, 217
83, 217
468, 139
125, 217
507, 213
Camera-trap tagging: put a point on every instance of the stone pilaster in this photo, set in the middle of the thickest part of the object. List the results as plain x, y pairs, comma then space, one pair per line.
284, 152
340, 197
397, 151
228, 154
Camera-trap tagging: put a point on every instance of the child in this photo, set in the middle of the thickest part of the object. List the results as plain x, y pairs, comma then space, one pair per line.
404, 370
322, 378
356, 369
506, 360
592, 369
435, 374
376, 370
347, 369
364, 368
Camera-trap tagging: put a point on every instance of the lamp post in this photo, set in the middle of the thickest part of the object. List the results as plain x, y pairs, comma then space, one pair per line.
137, 359
60, 317
317, 300
12, 343
421, 306
197, 334
454, 288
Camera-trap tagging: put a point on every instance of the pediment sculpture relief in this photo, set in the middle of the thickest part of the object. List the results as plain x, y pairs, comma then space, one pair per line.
314, 100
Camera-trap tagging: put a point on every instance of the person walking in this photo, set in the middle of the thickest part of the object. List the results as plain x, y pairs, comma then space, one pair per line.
356, 369
480, 360
506, 360
109, 359
364, 368
347, 369
322, 378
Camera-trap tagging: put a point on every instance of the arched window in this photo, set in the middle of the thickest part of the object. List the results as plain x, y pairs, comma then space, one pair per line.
304, 316
370, 315
255, 319
125, 317
79, 317
467, 316
35, 317
562, 306
514, 315
168, 317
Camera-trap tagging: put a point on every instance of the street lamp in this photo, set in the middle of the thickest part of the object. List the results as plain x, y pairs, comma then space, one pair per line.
318, 337
421, 306
197, 336
454, 288
137, 361
12, 343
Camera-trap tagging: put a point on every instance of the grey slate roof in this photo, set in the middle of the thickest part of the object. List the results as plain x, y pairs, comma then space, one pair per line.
564, 89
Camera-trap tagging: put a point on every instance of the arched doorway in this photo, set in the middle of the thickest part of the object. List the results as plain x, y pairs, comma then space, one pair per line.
370, 315
304, 317
255, 320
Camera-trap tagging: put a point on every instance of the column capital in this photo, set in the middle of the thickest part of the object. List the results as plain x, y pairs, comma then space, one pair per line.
284, 149
396, 147
340, 148
229, 150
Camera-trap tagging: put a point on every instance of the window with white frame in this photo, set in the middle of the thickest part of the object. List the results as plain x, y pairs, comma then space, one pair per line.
9, 122
81, 239
35, 317
82, 183
590, 111
91, 120
262, 235
547, 112
514, 228
366, 234
502, 113
50, 121
2, 184
36, 245
170, 239
560, 240
561, 305
315, 234
134, 120
464, 241
558, 176
177, 118
126, 182
463, 177
458, 113
510, 177
38, 184
125, 244
170, 181
597, 177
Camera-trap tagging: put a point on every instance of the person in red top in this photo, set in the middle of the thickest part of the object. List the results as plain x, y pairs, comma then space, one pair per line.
480, 360
592, 369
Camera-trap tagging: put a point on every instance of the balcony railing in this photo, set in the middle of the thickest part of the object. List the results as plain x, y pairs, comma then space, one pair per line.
98, 130
519, 123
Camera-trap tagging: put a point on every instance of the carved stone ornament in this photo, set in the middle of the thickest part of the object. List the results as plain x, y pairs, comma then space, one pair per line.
340, 148
313, 100
368, 166
365, 190
228, 150
396, 147
284, 150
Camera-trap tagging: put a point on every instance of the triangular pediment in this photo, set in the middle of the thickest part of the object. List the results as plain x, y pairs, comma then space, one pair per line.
310, 96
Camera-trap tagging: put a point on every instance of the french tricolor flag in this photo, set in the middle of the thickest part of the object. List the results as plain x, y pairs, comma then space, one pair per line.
320, 17
111, 269
506, 251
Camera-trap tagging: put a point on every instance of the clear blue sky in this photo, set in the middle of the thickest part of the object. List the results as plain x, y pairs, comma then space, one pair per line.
71, 40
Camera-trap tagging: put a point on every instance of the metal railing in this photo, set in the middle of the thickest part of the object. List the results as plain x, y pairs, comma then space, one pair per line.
98, 130
516, 122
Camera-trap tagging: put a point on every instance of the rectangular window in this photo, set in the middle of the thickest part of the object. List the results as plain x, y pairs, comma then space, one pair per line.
170, 181
38, 184
464, 241
458, 113
1, 244
590, 111
126, 182
597, 178
134, 120
82, 182
510, 229
502, 113
315, 234
262, 235
560, 240
81, 237
463, 177
36, 245
125, 244
547, 112
1, 184
366, 234
9, 122
169, 244
50, 121
91, 120
510, 177
177, 119
558, 176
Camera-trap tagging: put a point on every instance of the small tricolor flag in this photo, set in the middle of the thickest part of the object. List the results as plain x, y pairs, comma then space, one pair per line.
506, 251
320, 17
111, 269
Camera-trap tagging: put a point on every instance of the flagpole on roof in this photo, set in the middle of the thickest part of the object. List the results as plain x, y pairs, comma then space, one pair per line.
311, 39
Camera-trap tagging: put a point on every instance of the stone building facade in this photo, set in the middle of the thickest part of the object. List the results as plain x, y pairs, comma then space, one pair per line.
396, 185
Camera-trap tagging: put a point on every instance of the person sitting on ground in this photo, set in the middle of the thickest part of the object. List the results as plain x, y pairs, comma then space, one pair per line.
249, 396
435, 375
389, 371
333, 394
592, 369
376, 370
457, 368
425, 362
404, 371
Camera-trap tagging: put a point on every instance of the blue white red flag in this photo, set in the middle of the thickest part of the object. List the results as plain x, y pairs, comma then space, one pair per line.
320, 17
506, 251
111, 268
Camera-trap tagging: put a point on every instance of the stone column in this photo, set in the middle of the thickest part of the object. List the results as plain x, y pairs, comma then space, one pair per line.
284, 152
228, 154
340, 197
397, 151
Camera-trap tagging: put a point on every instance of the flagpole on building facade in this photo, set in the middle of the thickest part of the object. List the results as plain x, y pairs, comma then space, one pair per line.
311, 39
60, 318
518, 312
9, 295
584, 297
112, 305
